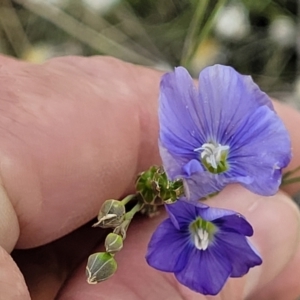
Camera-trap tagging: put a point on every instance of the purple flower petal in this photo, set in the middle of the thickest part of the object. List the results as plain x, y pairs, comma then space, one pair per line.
238, 250
178, 117
181, 213
206, 271
234, 223
168, 248
226, 97
202, 184
263, 165
192, 167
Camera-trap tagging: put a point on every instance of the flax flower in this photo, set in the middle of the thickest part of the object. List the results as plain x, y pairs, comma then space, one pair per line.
224, 132
202, 246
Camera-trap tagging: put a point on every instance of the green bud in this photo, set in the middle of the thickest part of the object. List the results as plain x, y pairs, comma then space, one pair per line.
111, 214
147, 185
100, 267
172, 191
155, 188
113, 243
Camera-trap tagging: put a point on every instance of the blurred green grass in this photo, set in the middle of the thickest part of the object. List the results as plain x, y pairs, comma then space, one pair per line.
256, 37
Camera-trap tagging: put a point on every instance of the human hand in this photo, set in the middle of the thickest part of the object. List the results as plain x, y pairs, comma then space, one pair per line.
75, 132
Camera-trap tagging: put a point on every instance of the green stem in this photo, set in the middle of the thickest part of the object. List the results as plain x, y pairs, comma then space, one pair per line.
290, 181
289, 173
127, 199
122, 229
129, 215
205, 30
189, 42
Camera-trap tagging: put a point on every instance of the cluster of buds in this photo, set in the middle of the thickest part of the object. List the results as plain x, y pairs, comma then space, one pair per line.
112, 214
155, 188
152, 189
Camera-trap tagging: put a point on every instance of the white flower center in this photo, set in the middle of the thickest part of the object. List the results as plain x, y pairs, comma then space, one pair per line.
202, 233
212, 154
201, 239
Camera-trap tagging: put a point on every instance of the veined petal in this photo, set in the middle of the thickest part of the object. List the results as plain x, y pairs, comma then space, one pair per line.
182, 213
239, 252
179, 125
192, 167
233, 223
213, 213
225, 98
260, 148
201, 184
206, 271
168, 249
173, 164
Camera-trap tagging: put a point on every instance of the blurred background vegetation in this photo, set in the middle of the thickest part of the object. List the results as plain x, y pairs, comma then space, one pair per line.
257, 37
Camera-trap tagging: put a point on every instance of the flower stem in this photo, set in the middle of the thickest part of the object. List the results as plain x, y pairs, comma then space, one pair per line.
289, 173
122, 229
129, 215
127, 199
290, 181
286, 177
204, 32
189, 42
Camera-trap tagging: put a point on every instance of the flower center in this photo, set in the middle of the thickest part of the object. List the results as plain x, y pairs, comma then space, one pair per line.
202, 233
214, 157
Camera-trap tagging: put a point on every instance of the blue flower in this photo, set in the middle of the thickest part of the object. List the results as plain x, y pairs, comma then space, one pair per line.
227, 132
202, 246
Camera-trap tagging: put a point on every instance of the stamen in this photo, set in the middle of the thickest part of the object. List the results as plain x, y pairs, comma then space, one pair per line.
201, 239
213, 156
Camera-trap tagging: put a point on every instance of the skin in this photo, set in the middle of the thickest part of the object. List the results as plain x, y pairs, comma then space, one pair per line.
75, 131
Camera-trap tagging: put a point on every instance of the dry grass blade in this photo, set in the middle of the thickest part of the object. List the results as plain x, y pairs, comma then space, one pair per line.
83, 33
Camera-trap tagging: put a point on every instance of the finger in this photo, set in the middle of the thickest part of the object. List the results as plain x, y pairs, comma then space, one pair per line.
281, 288
73, 133
136, 280
12, 284
276, 224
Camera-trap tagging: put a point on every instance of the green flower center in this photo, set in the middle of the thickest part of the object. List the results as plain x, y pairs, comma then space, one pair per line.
214, 157
202, 233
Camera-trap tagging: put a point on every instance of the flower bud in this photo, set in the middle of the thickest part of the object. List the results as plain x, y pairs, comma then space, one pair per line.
113, 243
148, 187
111, 214
155, 188
100, 267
